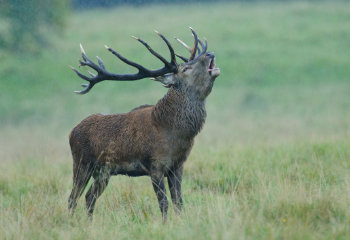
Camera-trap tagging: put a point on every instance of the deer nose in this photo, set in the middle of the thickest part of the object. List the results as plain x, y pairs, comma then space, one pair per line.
210, 55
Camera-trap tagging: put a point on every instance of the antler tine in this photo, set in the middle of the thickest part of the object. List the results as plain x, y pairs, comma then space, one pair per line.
151, 50
182, 58
80, 75
194, 49
83, 54
86, 89
127, 61
154, 53
87, 61
87, 86
184, 44
92, 74
172, 52
100, 62
202, 45
204, 49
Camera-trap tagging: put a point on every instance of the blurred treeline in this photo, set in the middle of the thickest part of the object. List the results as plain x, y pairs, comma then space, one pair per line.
78, 4
26, 23
81, 4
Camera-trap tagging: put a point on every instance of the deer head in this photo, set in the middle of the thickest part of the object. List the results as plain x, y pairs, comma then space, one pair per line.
196, 74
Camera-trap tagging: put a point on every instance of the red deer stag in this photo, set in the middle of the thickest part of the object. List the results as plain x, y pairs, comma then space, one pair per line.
150, 140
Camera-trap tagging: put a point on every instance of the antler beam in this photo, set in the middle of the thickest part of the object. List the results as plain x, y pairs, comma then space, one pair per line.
103, 74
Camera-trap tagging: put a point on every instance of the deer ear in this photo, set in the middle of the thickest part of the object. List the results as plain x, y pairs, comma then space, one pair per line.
167, 80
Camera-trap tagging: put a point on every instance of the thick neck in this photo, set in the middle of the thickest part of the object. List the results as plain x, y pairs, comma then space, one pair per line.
180, 111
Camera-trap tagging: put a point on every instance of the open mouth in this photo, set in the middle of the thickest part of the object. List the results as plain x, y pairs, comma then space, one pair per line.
212, 69
211, 65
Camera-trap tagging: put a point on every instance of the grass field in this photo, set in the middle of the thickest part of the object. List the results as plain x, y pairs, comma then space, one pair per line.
272, 162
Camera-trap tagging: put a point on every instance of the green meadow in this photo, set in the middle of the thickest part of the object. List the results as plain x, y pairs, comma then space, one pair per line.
273, 159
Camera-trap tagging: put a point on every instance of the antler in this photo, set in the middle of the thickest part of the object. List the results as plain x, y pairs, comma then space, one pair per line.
195, 48
103, 74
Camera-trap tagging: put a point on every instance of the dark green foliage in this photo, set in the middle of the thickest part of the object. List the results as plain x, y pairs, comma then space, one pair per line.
28, 21
83, 4
108, 3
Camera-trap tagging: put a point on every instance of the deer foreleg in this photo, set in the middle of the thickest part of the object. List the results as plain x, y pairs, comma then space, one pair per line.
174, 181
159, 188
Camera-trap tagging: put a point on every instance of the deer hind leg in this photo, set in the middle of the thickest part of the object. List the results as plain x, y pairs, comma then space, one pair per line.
101, 179
82, 172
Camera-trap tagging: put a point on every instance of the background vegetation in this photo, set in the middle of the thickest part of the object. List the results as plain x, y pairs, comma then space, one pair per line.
272, 161
81, 4
26, 22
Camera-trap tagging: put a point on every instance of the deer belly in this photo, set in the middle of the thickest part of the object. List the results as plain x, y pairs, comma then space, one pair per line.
132, 169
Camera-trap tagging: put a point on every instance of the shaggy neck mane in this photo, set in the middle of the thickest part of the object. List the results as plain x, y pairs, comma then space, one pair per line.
181, 110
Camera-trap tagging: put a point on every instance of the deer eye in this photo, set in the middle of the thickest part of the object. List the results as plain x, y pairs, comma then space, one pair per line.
186, 68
